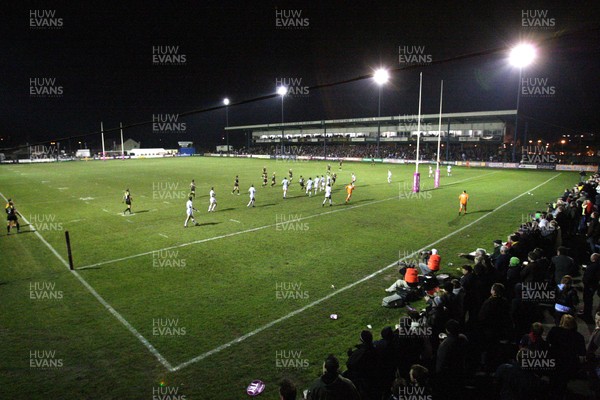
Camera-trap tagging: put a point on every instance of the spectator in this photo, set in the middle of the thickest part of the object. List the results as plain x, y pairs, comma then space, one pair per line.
363, 367
591, 284
433, 263
516, 382
593, 232
287, 390
495, 321
513, 275
532, 271
496, 253
563, 265
501, 263
387, 350
331, 385
566, 299
566, 347
534, 340
593, 356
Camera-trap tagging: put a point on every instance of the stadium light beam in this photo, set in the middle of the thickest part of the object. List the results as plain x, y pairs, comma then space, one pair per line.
520, 56
282, 91
381, 76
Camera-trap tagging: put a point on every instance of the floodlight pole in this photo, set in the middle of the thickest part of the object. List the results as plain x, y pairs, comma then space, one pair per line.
379, 120
282, 148
122, 147
437, 168
514, 149
417, 176
102, 130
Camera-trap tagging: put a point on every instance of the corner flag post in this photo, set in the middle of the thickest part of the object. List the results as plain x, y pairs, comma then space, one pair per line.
69, 250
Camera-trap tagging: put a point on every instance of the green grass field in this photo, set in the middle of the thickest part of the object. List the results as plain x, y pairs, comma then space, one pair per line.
207, 309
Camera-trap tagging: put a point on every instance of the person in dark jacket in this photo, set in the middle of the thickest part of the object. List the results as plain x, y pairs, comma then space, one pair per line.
566, 299
591, 284
532, 271
563, 265
567, 347
513, 276
593, 232
501, 263
363, 367
331, 385
516, 383
495, 323
387, 350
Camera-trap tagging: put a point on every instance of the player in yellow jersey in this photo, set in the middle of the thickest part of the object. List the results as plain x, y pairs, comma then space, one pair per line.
463, 199
349, 190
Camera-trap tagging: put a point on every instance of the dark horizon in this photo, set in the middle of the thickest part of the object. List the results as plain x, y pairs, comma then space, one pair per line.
128, 63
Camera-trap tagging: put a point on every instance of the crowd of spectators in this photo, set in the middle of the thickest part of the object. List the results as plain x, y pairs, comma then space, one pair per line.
506, 328
428, 151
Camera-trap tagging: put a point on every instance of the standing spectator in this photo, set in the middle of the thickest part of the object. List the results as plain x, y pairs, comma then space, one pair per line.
593, 356
501, 263
591, 284
593, 232
363, 367
513, 275
566, 347
496, 253
563, 265
566, 299
331, 385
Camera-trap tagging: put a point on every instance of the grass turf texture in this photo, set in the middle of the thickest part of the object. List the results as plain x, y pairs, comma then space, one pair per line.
220, 289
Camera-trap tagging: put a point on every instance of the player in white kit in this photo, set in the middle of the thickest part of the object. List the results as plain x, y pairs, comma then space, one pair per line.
251, 191
284, 184
309, 186
389, 176
327, 195
212, 200
189, 209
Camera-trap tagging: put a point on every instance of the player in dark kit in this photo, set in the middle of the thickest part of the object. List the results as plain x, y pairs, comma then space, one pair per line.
333, 178
301, 182
264, 179
291, 175
127, 200
193, 188
341, 162
273, 180
236, 186
11, 217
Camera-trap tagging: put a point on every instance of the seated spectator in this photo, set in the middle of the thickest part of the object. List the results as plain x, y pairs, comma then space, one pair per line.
411, 278
566, 299
433, 263
331, 385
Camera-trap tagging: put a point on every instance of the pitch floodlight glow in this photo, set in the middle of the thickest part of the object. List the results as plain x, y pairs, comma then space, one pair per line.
381, 76
226, 101
282, 90
522, 55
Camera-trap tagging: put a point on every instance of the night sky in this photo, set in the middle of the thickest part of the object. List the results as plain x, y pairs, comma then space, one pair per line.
96, 61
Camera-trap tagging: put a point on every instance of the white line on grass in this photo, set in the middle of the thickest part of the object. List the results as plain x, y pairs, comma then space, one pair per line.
366, 278
235, 220
163, 235
146, 253
114, 312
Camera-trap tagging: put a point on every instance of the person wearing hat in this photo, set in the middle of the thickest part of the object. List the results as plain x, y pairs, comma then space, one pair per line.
496, 253
11, 217
513, 276
331, 385
363, 367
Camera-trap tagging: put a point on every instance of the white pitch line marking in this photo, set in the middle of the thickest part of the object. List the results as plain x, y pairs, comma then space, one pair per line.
251, 229
349, 286
114, 312
105, 210
163, 235
235, 220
